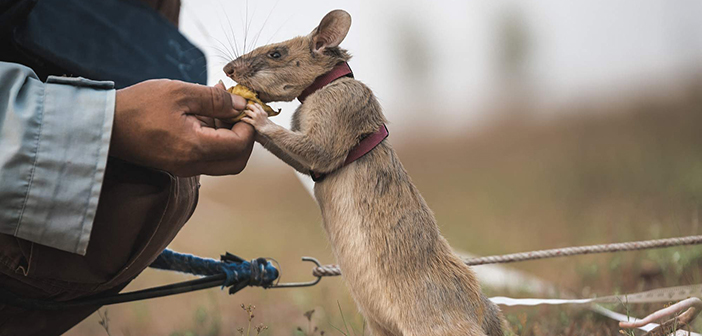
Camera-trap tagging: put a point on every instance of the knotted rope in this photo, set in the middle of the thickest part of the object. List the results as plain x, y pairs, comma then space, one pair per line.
257, 272
231, 271
334, 270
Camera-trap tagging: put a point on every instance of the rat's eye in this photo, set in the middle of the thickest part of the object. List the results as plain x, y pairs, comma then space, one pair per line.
274, 54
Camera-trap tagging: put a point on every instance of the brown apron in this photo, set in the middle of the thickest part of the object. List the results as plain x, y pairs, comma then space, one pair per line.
139, 213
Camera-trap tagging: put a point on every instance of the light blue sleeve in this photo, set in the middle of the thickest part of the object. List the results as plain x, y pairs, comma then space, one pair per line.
54, 140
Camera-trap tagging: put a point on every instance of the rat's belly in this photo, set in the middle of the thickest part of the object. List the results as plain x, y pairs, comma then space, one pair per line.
346, 226
341, 220
349, 236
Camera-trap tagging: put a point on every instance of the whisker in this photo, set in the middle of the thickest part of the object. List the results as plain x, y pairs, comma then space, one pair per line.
201, 28
223, 58
231, 29
279, 28
246, 23
231, 53
218, 64
225, 50
190, 49
198, 58
264, 23
204, 56
203, 71
215, 48
248, 27
229, 41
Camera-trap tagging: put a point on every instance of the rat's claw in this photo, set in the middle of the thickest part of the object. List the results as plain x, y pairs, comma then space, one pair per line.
258, 109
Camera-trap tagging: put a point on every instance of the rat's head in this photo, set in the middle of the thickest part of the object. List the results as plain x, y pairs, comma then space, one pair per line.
281, 71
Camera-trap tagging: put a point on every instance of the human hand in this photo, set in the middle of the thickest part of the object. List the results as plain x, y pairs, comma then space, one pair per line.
172, 125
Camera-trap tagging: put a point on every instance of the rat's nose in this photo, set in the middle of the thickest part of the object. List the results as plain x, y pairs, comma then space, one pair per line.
229, 68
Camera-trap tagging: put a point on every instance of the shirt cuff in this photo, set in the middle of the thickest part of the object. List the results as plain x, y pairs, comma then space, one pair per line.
71, 154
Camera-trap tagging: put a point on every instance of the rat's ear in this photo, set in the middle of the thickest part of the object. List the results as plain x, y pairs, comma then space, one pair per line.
331, 31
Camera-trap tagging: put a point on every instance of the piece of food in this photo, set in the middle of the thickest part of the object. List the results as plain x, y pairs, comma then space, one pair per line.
250, 96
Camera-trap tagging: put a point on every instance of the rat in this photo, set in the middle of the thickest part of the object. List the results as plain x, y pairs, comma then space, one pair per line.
402, 274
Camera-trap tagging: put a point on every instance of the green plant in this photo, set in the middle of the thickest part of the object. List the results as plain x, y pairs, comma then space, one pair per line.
260, 328
628, 332
346, 327
310, 331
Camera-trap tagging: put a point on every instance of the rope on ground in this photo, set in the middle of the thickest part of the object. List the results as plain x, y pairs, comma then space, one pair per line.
334, 270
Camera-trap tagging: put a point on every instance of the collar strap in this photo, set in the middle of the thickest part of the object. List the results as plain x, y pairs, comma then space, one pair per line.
366, 145
340, 70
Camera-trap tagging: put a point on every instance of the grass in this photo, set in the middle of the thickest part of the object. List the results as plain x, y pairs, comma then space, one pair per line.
621, 171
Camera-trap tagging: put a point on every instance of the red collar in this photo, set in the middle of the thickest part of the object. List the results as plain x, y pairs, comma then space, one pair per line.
340, 70
366, 144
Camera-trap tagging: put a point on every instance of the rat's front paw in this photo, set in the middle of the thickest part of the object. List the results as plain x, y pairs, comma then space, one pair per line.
256, 117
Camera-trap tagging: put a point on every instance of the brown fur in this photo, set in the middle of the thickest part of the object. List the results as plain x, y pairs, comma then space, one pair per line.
399, 269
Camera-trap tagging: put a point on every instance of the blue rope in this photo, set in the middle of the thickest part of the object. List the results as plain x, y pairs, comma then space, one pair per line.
257, 272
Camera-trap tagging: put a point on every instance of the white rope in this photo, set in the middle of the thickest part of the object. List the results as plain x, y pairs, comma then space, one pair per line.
334, 270
578, 250
665, 295
661, 295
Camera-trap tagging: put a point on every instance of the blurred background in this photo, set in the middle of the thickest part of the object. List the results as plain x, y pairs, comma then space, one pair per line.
525, 124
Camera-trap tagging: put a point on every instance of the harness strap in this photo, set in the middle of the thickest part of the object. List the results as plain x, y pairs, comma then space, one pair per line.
340, 70
367, 143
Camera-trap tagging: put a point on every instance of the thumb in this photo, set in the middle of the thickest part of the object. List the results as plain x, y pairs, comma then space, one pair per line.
239, 102
220, 85
214, 102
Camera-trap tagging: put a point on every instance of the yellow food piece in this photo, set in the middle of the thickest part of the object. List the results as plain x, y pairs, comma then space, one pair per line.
250, 96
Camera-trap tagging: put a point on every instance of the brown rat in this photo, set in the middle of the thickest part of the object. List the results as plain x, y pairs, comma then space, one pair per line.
401, 272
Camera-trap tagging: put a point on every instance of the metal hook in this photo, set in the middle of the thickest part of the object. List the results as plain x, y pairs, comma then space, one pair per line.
301, 284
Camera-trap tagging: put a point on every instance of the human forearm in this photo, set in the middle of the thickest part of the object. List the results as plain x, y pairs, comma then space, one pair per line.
54, 140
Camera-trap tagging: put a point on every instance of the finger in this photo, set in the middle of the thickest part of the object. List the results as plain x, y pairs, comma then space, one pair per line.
243, 131
212, 101
229, 166
239, 102
248, 120
222, 143
218, 167
220, 85
224, 167
223, 124
230, 121
207, 121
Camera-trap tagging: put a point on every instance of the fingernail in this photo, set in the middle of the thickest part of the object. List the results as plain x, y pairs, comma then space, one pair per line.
220, 82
